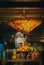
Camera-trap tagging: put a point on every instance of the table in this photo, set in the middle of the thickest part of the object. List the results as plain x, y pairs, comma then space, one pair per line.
21, 61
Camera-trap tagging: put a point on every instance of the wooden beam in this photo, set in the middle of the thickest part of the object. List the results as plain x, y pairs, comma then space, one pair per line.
11, 13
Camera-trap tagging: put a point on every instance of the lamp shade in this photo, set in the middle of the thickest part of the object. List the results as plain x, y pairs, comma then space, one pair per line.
25, 26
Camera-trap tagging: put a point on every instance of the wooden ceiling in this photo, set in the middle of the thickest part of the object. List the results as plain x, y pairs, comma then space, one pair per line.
16, 13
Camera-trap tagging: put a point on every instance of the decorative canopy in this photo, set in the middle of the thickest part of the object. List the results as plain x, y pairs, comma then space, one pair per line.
25, 26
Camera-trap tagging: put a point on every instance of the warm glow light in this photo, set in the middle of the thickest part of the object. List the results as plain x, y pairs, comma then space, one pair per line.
25, 26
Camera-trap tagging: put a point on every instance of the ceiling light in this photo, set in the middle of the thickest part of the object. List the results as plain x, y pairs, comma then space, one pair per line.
24, 25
